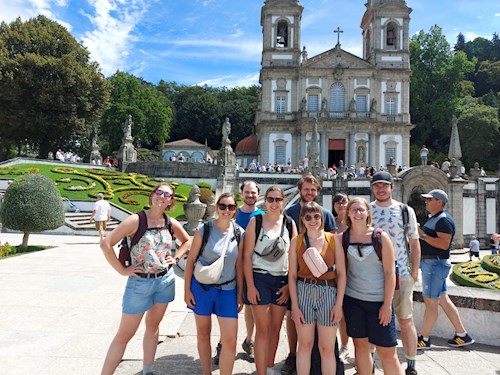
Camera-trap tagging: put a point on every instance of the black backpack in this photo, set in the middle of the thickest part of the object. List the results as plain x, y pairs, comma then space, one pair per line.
124, 254
287, 221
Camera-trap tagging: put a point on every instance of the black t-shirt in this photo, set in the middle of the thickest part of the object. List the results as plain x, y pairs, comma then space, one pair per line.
441, 222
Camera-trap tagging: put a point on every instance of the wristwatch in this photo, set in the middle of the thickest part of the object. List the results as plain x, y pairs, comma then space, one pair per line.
422, 237
177, 259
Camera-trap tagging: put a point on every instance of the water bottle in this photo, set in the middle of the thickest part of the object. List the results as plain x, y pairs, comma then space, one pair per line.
397, 276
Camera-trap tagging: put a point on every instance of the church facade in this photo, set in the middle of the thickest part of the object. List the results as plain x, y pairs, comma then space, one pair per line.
361, 106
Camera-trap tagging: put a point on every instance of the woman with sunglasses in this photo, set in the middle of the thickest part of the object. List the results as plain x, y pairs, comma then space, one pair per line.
316, 302
266, 274
224, 299
151, 280
370, 287
340, 202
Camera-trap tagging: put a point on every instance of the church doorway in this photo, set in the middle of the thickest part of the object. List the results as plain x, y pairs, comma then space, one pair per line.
336, 151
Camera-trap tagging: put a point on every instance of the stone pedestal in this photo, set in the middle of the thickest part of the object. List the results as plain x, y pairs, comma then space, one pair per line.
194, 210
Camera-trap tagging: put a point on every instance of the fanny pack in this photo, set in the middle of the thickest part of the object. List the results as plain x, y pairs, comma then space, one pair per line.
314, 260
277, 249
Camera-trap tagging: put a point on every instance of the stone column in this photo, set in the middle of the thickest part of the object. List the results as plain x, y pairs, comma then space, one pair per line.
455, 207
352, 149
371, 153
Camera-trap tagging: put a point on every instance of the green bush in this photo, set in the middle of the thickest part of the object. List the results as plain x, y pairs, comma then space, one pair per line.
32, 203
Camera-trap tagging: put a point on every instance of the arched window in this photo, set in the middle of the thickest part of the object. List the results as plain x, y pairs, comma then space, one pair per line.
337, 97
282, 35
391, 34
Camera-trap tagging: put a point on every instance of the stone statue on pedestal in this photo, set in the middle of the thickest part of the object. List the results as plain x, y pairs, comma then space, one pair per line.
127, 153
95, 155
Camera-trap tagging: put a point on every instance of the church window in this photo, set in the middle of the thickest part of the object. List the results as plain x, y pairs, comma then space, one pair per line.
282, 35
361, 103
390, 152
313, 103
390, 106
391, 33
337, 97
280, 104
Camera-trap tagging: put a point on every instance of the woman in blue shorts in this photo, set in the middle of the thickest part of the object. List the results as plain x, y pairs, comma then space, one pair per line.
150, 285
368, 309
316, 301
224, 299
266, 273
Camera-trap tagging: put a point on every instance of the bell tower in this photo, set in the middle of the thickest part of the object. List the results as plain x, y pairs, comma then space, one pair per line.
280, 21
386, 37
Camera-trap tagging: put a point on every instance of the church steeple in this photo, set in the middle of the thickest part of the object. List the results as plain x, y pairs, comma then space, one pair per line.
385, 27
280, 21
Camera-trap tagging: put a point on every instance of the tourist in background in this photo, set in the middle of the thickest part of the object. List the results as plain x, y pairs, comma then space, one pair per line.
368, 308
101, 215
474, 248
151, 280
340, 202
436, 237
224, 299
267, 276
316, 301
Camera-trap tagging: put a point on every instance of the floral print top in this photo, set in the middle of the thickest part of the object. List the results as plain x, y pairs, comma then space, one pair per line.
152, 249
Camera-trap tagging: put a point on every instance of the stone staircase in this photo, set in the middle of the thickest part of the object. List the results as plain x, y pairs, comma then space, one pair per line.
79, 222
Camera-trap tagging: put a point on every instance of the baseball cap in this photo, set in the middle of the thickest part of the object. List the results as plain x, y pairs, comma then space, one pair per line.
437, 194
383, 176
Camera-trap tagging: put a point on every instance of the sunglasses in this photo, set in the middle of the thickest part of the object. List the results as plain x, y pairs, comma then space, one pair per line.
273, 199
166, 194
224, 207
310, 217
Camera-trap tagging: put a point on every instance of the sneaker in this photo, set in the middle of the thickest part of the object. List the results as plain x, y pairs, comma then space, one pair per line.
248, 347
217, 354
458, 341
344, 353
289, 365
411, 371
423, 344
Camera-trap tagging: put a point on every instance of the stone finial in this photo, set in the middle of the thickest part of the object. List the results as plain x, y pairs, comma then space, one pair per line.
455, 151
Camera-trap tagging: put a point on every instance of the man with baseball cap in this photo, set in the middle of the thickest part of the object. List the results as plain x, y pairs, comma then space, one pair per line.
400, 222
436, 237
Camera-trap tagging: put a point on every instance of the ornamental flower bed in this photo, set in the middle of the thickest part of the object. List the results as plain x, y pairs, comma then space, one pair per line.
480, 274
6, 250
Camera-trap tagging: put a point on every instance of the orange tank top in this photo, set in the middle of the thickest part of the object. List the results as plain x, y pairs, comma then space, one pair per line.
327, 253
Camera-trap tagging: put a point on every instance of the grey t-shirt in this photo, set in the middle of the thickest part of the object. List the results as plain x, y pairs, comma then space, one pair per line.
213, 250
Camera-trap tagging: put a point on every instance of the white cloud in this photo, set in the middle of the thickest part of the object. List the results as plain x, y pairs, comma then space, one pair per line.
232, 81
112, 38
32, 8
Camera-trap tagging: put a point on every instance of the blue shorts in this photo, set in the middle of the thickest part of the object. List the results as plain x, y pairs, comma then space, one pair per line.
141, 294
268, 286
434, 274
213, 300
362, 321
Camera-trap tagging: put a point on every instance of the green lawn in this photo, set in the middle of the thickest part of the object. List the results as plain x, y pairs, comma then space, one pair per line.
129, 190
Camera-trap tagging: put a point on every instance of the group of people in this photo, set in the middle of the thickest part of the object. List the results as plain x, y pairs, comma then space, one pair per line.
324, 273
68, 156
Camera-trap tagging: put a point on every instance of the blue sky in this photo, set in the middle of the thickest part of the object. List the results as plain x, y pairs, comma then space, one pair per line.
218, 42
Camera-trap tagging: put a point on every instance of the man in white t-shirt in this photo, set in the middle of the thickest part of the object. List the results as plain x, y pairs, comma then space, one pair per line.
101, 215
387, 214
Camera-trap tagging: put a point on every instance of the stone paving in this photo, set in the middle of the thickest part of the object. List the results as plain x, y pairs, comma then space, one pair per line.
60, 309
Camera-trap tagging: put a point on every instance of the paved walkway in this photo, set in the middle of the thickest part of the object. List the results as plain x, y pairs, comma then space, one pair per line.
60, 309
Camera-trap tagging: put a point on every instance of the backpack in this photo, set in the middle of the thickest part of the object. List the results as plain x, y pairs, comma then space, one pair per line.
124, 254
207, 225
377, 246
287, 220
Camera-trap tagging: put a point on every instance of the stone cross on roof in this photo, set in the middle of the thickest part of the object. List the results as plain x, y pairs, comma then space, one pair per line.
338, 31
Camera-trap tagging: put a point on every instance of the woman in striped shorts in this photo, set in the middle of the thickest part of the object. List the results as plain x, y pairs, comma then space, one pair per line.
316, 302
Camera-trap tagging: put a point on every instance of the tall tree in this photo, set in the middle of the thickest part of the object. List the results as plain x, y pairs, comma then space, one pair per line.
435, 86
150, 110
460, 44
50, 91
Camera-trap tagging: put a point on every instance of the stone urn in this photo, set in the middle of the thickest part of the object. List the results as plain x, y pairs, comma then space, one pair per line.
209, 213
194, 210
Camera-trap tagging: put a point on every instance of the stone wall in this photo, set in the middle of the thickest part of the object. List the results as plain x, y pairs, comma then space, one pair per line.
168, 169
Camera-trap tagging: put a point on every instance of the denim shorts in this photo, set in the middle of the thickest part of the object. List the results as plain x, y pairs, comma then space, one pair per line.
213, 300
434, 274
361, 318
268, 286
141, 294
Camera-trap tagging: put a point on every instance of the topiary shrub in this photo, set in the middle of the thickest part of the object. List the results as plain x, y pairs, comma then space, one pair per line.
32, 203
